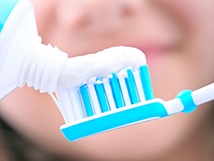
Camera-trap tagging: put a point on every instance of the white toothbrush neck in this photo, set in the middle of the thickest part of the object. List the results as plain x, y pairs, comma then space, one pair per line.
204, 94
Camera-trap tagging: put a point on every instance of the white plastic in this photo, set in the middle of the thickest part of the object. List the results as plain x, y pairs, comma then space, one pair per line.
199, 96
23, 58
204, 94
173, 106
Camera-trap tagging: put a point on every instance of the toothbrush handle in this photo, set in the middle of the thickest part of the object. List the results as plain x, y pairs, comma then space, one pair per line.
191, 99
204, 94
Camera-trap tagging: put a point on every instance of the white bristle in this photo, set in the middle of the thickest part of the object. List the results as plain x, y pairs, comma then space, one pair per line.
121, 77
109, 94
76, 103
94, 99
139, 85
67, 110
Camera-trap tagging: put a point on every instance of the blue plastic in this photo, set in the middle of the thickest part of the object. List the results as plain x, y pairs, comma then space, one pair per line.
146, 82
102, 96
116, 91
86, 100
110, 121
186, 99
6, 6
130, 82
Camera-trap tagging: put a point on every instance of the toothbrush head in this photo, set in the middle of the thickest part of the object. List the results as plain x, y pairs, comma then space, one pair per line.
105, 103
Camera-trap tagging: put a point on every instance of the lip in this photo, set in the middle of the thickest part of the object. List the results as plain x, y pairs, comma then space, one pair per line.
153, 49
150, 49
154, 52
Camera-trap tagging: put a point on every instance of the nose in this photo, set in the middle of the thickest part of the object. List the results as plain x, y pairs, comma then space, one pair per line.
106, 16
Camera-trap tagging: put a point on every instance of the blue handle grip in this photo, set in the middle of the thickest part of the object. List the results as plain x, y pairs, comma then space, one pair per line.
187, 100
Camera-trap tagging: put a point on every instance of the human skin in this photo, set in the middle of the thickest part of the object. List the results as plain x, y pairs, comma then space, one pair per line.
176, 36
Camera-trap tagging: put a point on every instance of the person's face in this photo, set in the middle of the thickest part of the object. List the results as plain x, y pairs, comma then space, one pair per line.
176, 37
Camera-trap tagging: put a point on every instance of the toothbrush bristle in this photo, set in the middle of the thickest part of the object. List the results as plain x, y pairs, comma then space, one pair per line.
126, 87
99, 95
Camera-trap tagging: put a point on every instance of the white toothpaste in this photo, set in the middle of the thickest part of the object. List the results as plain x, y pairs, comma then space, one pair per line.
114, 59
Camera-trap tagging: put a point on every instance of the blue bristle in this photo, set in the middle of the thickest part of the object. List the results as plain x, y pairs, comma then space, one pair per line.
131, 86
101, 95
86, 100
116, 91
146, 82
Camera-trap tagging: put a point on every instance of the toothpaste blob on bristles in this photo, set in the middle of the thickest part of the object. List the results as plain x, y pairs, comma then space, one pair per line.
81, 68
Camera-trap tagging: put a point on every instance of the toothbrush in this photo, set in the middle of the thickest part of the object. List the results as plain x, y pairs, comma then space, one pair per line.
101, 103
119, 99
